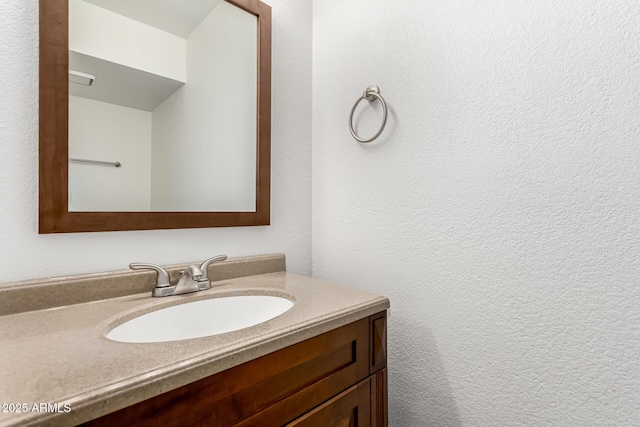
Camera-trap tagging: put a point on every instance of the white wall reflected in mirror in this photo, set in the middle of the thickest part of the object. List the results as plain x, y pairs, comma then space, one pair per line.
174, 101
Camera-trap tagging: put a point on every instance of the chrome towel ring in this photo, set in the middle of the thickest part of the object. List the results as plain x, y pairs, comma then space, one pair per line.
370, 94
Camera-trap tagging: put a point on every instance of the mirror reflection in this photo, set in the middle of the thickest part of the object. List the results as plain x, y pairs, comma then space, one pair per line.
163, 96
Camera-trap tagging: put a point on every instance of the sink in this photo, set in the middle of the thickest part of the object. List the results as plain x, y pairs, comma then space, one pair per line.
200, 319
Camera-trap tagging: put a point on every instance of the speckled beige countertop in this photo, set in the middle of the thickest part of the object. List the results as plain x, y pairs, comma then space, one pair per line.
60, 355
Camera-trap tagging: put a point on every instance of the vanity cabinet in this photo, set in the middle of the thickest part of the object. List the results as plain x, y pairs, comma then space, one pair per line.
338, 378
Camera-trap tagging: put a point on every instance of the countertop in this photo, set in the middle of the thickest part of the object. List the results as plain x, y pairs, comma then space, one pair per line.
60, 355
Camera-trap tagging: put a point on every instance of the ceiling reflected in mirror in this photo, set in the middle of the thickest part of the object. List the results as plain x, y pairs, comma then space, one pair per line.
178, 17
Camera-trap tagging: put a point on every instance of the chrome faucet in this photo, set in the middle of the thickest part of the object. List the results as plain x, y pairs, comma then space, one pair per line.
192, 278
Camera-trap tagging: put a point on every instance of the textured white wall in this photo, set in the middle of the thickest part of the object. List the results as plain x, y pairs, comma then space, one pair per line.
500, 211
24, 254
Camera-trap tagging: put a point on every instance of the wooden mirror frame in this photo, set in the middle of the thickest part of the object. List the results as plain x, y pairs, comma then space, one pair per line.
54, 215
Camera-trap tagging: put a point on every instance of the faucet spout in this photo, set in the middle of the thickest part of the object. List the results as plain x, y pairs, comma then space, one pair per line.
188, 281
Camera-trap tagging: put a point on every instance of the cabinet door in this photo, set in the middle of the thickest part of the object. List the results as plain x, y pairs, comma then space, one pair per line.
351, 408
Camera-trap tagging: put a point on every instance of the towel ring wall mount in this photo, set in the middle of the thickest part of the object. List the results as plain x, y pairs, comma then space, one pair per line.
370, 94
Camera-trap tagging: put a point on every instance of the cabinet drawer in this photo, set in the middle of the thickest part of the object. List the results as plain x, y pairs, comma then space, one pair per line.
271, 390
351, 408
363, 405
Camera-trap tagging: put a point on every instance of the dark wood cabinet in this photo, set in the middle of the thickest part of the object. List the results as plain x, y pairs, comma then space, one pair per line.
338, 378
363, 405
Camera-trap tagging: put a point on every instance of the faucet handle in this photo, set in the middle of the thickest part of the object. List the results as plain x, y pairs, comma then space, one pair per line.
162, 280
205, 265
203, 282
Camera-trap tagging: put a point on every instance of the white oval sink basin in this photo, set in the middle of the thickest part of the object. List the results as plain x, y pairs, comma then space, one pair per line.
200, 319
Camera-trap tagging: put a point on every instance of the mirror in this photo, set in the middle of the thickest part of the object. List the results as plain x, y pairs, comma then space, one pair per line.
154, 114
